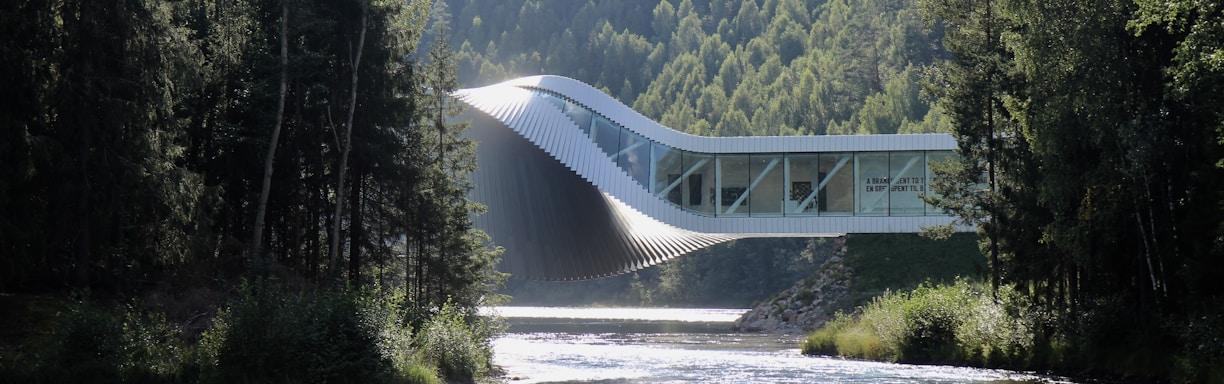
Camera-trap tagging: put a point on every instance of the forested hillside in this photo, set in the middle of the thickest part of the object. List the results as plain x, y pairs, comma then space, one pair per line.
721, 68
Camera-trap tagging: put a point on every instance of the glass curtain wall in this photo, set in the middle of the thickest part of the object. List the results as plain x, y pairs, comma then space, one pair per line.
606, 136
871, 177
802, 180
668, 166
773, 184
765, 191
579, 115
733, 182
907, 175
634, 157
835, 193
698, 187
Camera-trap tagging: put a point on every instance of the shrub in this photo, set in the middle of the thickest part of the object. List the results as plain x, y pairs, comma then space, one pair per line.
459, 349
152, 351
932, 317
991, 336
274, 336
90, 344
884, 316
84, 348
954, 323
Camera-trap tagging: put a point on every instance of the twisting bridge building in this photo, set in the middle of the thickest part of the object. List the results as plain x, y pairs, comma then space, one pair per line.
579, 185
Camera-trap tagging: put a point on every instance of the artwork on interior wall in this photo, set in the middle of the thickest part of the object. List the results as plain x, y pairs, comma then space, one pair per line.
694, 190
730, 194
799, 190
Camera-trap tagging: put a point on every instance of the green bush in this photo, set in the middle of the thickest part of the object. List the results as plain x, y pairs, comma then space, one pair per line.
955, 323
273, 336
152, 350
459, 348
90, 344
932, 317
992, 336
85, 347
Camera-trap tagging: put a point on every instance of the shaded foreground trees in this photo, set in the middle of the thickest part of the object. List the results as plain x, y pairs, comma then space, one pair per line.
1103, 121
134, 135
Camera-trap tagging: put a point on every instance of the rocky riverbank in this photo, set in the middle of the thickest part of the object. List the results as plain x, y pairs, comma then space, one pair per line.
859, 268
809, 303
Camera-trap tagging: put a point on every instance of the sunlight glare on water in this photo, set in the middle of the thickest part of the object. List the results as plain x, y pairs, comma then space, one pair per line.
659, 345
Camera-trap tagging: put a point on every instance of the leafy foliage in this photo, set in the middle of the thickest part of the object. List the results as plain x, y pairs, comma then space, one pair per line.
456, 344
89, 343
272, 336
1091, 165
134, 140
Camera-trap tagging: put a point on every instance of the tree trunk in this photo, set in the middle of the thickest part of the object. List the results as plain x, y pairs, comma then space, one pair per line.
348, 146
84, 242
257, 238
990, 154
356, 227
420, 268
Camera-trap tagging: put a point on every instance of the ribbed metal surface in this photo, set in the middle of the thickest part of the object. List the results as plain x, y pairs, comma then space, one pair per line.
554, 224
564, 210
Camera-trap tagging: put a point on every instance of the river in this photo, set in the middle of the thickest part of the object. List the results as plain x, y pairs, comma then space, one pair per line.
671, 345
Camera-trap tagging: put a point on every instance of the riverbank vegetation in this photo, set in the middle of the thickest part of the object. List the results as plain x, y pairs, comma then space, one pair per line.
957, 323
266, 334
249, 191
869, 265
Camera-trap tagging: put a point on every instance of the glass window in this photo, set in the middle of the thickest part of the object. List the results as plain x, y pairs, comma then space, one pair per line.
802, 178
835, 193
733, 185
871, 175
668, 168
907, 173
580, 115
606, 135
933, 157
698, 186
765, 194
634, 157
553, 99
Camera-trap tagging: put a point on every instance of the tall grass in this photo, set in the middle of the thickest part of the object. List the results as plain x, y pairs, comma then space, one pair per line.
954, 323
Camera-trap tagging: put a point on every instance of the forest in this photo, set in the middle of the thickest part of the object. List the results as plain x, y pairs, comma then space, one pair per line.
185, 177
275, 191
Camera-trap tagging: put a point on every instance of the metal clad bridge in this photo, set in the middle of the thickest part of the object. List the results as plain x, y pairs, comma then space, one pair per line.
579, 185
